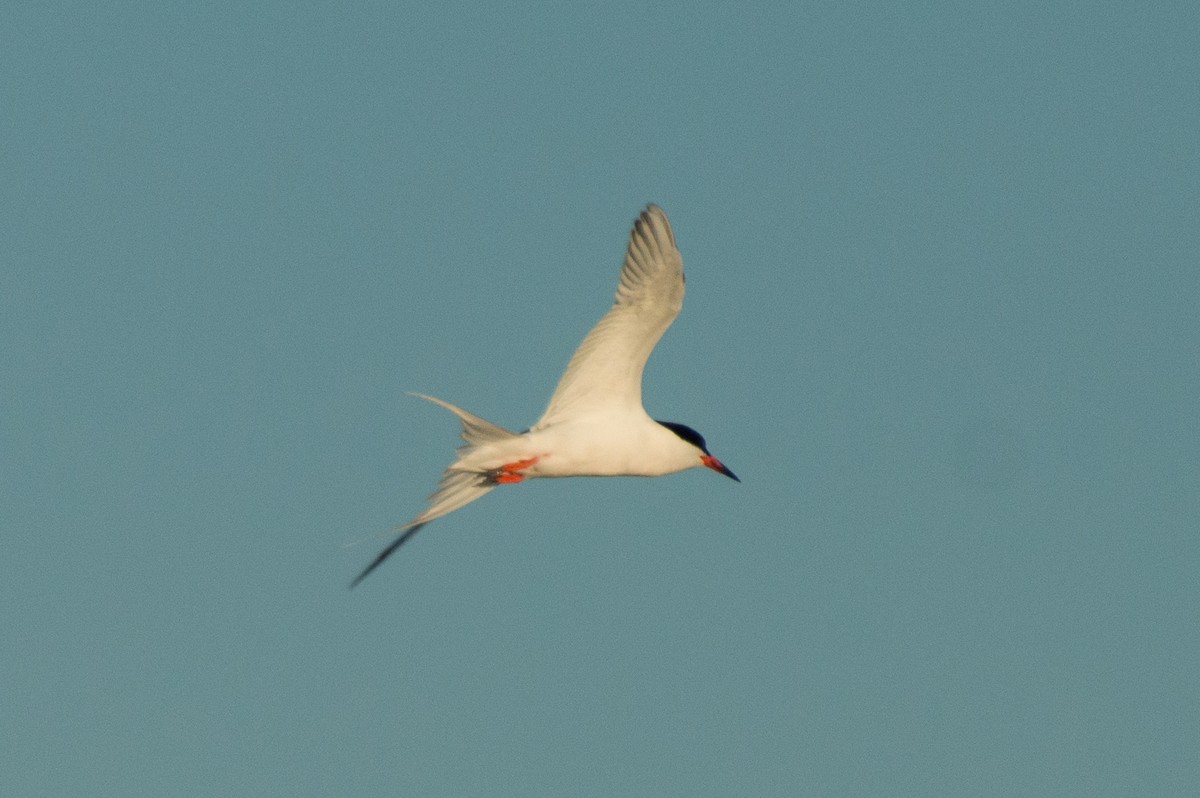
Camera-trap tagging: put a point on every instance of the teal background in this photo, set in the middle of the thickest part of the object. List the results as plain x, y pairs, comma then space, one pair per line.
942, 321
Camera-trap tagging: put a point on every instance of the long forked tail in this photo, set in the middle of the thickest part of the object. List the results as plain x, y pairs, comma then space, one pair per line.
475, 430
456, 488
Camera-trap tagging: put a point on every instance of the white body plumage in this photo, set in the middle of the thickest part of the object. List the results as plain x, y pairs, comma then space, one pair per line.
594, 424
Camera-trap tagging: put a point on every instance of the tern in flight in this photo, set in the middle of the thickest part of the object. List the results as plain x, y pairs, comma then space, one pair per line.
595, 424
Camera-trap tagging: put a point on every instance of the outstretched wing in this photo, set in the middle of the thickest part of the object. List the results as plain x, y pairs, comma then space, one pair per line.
606, 369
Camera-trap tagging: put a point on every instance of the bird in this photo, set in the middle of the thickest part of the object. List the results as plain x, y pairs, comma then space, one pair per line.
594, 423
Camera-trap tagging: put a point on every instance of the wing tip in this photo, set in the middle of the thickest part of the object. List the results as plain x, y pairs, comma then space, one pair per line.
388, 551
652, 225
654, 212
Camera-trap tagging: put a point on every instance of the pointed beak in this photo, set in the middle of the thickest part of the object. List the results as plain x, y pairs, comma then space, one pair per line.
715, 465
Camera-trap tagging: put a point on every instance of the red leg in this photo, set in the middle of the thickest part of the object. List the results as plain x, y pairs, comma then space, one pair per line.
511, 472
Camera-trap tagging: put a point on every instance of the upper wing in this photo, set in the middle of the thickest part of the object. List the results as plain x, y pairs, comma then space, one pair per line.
606, 369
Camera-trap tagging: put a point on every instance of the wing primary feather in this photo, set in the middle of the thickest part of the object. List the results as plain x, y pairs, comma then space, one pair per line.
605, 372
383, 555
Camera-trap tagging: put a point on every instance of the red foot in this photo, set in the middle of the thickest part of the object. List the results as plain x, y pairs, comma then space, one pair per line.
511, 472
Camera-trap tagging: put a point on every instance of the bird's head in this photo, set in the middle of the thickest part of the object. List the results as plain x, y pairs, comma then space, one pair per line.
690, 436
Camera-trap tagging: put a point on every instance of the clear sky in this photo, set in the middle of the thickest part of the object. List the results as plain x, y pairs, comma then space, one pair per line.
941, 320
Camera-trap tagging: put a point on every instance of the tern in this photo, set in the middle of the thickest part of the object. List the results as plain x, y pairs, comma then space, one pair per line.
594, 424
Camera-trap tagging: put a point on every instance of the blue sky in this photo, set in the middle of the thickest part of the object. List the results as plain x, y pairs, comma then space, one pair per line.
941, 320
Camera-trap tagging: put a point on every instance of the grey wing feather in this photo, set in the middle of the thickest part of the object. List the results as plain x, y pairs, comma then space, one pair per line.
606, 369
